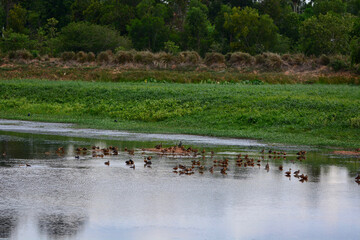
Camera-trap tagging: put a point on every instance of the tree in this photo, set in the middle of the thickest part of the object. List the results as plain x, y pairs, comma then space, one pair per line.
325, 6
221, 34
355, 42
17, 19
250, 31
325, 34
78, 8
196, 26
289, 27
353, 7
148, 33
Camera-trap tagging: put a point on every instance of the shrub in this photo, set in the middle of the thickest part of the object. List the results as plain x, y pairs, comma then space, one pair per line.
166, 58
20, 55
90, 57
240, 58
191, 57
81, 57
259, 59
338, 63
324, 60
15, 41
83, 36
214, 58
299, 59
35, 53
103, 57
67, 56
124, 57
144, 57
272, 60
286, 57
171, 47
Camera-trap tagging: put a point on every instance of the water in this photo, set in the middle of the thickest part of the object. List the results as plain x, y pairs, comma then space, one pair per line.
60, 197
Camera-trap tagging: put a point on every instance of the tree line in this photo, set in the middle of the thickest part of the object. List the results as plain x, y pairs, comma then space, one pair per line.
313, 27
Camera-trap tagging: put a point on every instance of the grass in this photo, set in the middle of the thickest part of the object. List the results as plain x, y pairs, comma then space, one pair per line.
318, 114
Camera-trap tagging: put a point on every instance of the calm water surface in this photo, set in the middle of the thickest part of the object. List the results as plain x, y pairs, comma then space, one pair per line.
60, 197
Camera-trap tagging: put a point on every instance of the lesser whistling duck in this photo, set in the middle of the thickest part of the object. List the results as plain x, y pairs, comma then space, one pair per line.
107, 163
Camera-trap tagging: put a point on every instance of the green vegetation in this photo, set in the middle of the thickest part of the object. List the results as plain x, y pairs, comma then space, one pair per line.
292, 114
51, 27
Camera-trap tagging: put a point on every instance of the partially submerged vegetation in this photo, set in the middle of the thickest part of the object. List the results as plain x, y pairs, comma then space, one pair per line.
292, 114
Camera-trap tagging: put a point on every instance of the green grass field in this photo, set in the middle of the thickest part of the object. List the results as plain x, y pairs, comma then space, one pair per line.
326, 115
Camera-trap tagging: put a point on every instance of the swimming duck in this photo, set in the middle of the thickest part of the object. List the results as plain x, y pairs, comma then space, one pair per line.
280, 167
288, 173
107, 163
267, 167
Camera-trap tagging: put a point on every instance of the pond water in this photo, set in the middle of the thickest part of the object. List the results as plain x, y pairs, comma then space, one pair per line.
61, 197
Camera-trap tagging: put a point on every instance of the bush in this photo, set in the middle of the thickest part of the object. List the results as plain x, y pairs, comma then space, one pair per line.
15, 41
260, 59
171, 47
287, 58
191, 57
81, 57
20, 55
272, 60
82, 36
338, 63
299, 59
166, 58
67, 56
124, 57
144, 57
103, 57
324, 60
214, 58
241, 58
90, 57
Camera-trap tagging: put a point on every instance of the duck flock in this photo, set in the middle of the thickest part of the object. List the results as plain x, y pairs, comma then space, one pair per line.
195, 166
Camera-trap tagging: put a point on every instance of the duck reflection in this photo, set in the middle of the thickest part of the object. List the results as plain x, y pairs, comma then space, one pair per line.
61, 225
8, 222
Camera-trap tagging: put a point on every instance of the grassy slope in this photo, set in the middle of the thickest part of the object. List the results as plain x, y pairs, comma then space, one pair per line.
295, 114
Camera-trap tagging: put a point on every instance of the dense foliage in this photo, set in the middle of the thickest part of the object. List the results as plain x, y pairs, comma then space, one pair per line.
52, 26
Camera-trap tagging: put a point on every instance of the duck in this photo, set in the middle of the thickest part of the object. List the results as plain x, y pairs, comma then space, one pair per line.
107, 163
297, 172
28, 165
129, 162
280, 167
132, 166
267, 167
288, 173
77, 157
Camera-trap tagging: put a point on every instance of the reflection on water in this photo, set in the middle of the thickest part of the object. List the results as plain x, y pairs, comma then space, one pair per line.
8, 222
60, 225
61, 197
